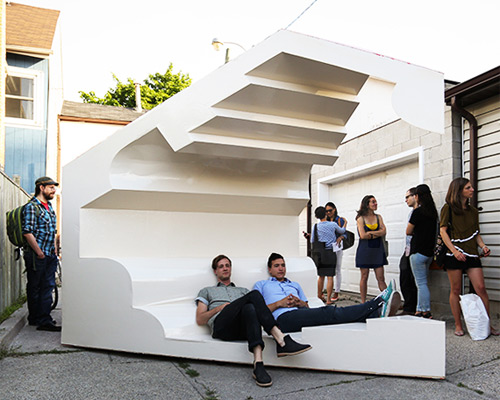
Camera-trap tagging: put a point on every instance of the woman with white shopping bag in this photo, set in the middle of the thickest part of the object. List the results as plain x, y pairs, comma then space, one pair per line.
462, 238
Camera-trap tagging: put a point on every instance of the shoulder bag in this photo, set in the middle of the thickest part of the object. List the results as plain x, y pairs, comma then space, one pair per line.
322, 257
440, 248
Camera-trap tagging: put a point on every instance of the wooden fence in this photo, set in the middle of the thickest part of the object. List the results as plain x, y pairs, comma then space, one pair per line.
12, 279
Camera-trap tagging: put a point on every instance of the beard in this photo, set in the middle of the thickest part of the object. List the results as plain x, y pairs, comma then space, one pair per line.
48, 196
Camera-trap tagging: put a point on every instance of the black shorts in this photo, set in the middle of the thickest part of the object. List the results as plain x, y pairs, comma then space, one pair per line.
470, 262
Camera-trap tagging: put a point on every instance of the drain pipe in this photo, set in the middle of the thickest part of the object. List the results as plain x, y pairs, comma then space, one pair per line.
472, 145
472, 162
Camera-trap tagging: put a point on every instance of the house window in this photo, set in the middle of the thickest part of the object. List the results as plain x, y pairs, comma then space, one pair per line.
23, 105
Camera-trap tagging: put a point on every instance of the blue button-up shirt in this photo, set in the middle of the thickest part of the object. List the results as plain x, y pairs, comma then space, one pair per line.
41, 222
327, 232
273, 290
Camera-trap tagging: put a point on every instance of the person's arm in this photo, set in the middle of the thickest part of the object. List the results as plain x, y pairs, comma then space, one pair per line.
203, 314
410, 228
447, 241
296, 302
361, 229
30, 238
343, 224
338, 229
381, 231
484, 248
285, 302
29, 220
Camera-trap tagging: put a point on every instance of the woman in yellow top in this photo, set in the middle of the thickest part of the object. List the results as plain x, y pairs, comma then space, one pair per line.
370, 252
462, 239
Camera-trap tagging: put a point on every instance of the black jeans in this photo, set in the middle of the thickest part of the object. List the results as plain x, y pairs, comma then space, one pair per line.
408, 286
41, 282
242, 319
295, 320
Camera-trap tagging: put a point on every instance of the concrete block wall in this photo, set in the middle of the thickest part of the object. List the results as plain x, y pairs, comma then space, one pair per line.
441, 163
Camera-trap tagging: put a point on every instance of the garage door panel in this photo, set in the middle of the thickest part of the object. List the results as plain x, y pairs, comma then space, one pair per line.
389, 188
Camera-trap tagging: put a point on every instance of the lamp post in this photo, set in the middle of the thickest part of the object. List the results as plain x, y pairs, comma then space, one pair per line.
218, 44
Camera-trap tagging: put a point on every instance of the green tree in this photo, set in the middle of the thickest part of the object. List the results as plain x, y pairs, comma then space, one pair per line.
155, 90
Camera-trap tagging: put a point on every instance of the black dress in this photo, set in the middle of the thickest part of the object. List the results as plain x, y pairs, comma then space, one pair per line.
370, 252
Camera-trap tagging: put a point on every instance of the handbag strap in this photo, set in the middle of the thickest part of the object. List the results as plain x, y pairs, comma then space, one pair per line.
315, 236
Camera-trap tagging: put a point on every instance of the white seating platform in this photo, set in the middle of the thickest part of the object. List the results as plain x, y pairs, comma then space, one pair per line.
224, 166
162, 312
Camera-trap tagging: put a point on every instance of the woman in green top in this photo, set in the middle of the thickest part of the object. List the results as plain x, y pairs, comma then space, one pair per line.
462, 239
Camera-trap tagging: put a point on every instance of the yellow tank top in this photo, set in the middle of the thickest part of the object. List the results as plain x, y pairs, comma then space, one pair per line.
372, 227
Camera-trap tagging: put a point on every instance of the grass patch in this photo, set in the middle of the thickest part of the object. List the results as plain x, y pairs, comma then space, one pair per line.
192, 372
210, 395
461, 385
12, 308
14, 352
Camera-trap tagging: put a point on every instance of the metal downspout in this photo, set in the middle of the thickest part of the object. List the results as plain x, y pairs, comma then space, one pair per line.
473, 145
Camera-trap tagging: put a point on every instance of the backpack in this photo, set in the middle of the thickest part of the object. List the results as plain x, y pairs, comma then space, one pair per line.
15, 227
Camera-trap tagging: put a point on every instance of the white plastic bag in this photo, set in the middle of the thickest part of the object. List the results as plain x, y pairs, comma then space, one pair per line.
475, 315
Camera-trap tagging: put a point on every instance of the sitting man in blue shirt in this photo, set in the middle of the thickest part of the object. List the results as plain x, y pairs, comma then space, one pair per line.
288, 303
235, 313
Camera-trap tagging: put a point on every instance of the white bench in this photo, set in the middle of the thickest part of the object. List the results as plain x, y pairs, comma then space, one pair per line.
157, 316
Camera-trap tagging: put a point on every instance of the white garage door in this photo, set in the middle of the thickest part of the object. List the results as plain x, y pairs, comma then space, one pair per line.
389, 188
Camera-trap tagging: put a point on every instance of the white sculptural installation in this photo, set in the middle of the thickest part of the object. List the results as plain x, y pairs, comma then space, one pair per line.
223, 167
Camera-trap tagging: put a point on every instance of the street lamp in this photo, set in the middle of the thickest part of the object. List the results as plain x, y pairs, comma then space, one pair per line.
218, 44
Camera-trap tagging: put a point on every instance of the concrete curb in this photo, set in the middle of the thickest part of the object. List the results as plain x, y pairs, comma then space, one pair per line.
13, 325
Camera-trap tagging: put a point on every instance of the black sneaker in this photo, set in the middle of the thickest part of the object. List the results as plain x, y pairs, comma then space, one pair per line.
260, 375
49, 328
291, 347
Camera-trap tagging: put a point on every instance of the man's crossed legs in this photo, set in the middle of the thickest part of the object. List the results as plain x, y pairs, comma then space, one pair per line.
242, 319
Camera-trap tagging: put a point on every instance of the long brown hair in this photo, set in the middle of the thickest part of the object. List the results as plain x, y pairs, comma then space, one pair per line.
454, 195
363, 208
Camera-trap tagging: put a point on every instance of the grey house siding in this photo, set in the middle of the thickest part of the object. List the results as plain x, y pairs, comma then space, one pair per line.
26, 148
487, 114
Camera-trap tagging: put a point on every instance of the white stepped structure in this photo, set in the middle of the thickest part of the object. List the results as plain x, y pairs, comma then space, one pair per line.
223, 167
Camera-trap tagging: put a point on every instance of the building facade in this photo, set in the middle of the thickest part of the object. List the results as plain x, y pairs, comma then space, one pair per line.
33, 92
386, 161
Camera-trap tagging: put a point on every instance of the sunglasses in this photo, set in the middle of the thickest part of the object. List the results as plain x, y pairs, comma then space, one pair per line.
329, 210
410, 195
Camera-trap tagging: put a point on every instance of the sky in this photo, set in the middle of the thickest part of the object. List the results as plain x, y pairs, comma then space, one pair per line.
136, 38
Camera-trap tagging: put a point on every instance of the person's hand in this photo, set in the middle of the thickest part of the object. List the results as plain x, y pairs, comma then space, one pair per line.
486, 251
286, 302
221, 307
295, 301
339, 240
40, 256
459, 256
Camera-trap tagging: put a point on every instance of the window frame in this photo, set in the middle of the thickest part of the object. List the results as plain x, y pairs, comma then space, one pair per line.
38, 105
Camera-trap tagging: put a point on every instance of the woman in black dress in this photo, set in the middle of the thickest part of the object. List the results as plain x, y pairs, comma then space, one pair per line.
370, 252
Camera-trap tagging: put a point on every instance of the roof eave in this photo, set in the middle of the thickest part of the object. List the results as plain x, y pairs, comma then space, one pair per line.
29, 51
472, 85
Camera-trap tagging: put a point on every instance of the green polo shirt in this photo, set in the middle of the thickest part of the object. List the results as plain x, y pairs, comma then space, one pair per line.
214, 296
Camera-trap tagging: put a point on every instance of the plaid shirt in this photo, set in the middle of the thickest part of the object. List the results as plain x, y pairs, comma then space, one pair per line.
43, 226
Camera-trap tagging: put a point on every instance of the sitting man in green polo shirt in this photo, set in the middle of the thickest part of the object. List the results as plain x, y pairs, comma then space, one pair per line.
235, 313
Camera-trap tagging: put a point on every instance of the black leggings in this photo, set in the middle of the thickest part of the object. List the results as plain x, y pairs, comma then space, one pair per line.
243, 318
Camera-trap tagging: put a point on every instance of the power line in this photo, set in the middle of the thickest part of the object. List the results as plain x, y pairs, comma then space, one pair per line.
301, 14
